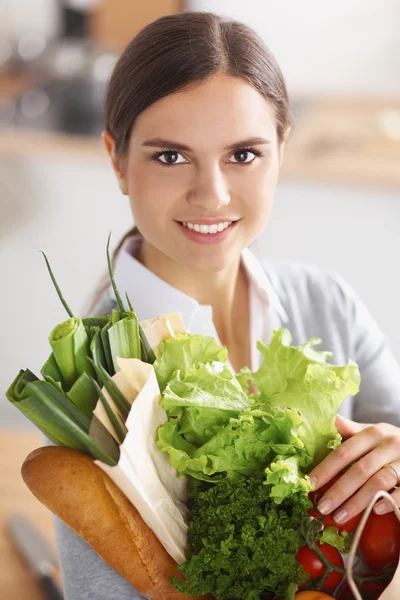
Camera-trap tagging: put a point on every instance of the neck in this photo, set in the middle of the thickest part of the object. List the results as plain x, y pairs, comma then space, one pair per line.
225, 291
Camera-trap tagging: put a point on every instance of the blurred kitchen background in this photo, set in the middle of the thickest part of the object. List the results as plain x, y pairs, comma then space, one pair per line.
337, 204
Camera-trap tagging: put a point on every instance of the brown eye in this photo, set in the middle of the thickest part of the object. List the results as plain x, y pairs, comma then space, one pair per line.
244, 156
169, 157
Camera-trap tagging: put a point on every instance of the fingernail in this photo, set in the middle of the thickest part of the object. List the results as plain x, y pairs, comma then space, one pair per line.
340, 516
313, 481
381, 509
324, 507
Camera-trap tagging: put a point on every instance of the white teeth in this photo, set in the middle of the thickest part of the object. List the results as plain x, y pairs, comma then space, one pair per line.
208, 229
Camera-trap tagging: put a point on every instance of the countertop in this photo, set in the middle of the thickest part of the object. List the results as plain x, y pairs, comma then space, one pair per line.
16, 580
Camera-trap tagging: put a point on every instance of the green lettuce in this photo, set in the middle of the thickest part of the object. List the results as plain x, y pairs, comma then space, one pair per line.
217, 428
184, 351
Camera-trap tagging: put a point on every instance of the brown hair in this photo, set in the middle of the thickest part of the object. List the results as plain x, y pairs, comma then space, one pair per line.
180, 50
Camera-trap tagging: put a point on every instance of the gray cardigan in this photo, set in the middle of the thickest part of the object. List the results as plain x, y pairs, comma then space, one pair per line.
317, 304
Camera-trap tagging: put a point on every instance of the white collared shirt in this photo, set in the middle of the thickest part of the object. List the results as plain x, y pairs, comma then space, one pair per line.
303, 298
156, 296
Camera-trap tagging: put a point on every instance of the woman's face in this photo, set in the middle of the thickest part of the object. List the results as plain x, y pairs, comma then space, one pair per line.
201, 172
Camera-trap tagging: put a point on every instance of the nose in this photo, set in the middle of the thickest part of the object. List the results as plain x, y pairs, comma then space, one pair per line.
209, 190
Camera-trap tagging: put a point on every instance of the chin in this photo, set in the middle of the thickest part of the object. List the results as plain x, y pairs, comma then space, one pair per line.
213, 263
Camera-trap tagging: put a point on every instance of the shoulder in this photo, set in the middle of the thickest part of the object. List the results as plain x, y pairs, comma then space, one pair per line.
307, 283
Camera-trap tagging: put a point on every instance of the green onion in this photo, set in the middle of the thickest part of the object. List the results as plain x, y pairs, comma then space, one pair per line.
67, 308
114, 285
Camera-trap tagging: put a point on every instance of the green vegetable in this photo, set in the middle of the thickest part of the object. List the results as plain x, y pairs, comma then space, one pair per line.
123, 337
216, 430
300, 377
339, 540
184, 351
242, 544
57, 417
70, 345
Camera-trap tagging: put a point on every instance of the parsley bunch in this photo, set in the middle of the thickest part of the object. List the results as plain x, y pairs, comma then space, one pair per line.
243, 545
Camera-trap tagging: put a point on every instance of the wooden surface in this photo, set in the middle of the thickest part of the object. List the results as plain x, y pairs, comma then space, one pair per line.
346, 141
16, 580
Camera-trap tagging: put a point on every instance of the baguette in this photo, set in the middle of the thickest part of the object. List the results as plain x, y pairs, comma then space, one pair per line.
75, 489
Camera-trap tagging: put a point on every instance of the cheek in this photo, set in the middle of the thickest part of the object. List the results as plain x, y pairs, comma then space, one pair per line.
151, 196
258, 192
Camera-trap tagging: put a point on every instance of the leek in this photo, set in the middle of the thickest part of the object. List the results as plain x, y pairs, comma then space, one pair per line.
84, 394
96, 348
70, 345
56, 417
147, 351
106, 348
121, 402
119, 428
124, 338
52, 373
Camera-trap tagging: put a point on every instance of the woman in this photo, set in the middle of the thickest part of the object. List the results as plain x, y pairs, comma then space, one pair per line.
197, 119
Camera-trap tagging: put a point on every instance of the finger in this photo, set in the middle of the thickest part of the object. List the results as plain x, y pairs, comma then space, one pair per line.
381, 508
385, 479
347, 453
347, 428
364, 477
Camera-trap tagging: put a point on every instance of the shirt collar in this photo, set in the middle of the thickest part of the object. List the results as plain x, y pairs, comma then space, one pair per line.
259, 278
132, 278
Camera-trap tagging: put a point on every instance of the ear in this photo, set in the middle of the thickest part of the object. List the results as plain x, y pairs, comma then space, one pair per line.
117, 162
282, 145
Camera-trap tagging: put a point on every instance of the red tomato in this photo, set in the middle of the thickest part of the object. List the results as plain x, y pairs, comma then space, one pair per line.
371, 589
328, 520
380, 541
316, 568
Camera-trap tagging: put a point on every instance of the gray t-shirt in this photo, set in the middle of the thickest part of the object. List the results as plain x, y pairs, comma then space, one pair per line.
317, 304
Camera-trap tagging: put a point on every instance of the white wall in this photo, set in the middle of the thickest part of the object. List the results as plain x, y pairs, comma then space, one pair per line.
67, 207
346, 46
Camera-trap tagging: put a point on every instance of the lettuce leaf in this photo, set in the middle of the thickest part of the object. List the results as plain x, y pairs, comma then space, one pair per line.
277, 423
299, 377
184, 351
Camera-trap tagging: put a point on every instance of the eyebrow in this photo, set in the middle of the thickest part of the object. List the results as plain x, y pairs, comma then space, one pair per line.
160, 143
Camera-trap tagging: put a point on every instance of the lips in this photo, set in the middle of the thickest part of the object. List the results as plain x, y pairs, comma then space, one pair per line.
201, 233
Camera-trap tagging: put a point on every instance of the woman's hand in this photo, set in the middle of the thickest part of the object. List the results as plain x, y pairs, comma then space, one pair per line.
369, 449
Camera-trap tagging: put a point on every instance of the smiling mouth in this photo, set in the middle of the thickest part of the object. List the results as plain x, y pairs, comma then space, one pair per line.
207, 229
